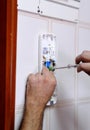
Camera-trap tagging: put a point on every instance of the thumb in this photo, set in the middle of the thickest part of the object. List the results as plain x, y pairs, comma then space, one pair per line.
84, 67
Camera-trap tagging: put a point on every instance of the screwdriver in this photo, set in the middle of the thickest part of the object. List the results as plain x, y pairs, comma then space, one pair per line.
66, 67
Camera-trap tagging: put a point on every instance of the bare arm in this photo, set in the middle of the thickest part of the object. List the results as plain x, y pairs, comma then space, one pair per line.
84, 60
33, 118
39, 90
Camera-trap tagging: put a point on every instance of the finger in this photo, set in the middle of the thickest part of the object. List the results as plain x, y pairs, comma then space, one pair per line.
30, 76
78, 59
45, 71
37, 74
83, 57
84, 67
38, 77
31, 79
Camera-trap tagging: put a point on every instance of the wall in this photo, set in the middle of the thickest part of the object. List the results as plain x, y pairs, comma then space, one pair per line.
72, 111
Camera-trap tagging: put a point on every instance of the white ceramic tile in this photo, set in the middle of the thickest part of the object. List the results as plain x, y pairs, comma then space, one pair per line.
83, 79
66, 54
62, 118
27, 51
84, 14
84, 116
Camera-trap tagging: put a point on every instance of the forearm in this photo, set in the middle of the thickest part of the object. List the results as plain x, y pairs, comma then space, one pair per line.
33, 119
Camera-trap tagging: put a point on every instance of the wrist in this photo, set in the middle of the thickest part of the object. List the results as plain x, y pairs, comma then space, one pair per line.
33, 112
33, 117
33, 107
33, 103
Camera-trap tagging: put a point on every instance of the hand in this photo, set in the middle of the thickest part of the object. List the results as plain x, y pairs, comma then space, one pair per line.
84, 60
40, 87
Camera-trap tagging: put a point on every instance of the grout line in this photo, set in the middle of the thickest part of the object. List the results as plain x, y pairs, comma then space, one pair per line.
76, 89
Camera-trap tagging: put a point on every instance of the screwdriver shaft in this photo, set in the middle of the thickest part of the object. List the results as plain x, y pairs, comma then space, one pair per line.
68, 66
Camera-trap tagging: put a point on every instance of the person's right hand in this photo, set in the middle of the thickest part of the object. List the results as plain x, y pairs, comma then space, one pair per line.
84, 62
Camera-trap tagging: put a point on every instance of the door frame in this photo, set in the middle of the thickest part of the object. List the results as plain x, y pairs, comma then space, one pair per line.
8, 33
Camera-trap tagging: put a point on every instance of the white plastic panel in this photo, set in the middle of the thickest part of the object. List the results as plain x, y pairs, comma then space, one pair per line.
18, 120
83, 79
66, 55
63, 9
59, 11
27, 51
72, 3
27, 56
46, 119
84, 14
28, 5
84, 116
62, 118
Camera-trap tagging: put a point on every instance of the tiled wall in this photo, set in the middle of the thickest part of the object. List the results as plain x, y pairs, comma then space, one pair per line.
72, 111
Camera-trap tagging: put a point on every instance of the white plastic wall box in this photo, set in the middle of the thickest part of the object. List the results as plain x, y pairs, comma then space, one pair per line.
61, 9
